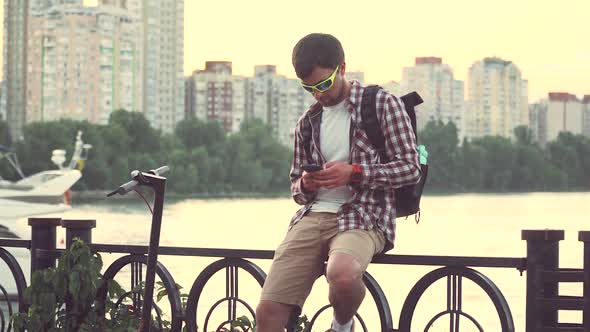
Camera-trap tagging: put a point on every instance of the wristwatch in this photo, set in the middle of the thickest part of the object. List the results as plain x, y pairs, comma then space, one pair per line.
357, 174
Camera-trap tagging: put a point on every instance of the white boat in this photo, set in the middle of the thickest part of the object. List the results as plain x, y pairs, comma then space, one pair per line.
44, 192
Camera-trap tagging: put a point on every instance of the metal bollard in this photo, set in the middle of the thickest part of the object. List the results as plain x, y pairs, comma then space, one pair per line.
542, 255
43, 237
78, 228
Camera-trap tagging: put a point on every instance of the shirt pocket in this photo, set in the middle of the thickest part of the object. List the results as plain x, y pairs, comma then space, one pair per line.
363, 151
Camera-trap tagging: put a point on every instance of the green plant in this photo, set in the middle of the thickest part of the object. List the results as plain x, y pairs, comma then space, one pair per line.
161, 291
64, 298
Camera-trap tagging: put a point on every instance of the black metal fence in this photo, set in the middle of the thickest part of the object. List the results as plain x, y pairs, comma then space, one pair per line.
541, 264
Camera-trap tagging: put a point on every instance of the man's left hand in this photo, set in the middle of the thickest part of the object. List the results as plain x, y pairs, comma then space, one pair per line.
334, 174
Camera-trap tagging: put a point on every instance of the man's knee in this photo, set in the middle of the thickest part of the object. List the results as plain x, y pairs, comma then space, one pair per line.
343, 272
270, 312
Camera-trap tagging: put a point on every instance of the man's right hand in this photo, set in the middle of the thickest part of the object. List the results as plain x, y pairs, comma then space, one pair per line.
309, 183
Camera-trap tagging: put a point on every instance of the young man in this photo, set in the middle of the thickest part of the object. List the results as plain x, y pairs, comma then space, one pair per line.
349, 205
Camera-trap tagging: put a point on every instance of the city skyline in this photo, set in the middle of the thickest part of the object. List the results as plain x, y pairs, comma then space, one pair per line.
548, 43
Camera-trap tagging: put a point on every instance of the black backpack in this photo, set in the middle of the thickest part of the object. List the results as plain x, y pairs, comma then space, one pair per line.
407, 197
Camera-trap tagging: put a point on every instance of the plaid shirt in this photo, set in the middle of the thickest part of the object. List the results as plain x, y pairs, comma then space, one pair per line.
363, 210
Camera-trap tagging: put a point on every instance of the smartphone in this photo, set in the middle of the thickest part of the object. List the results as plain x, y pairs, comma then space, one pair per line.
311, 168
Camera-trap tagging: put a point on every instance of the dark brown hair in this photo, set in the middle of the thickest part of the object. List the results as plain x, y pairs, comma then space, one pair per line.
316, 49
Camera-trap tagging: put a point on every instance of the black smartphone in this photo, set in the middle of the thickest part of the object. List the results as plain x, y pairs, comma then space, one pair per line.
311, 168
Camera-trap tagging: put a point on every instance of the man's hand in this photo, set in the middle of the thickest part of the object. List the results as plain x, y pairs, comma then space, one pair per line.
309, 183
334, 174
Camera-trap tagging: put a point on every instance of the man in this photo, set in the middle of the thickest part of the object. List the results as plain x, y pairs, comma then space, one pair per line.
349, 205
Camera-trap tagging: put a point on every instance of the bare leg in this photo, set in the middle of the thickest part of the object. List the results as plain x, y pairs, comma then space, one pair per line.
272, 316
347, 289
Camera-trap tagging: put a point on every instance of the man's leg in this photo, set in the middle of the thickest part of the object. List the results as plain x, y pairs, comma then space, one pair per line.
297, 263
272, 316
350, 254
347, 290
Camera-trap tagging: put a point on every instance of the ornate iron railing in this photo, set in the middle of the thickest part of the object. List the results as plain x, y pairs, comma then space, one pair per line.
541, 265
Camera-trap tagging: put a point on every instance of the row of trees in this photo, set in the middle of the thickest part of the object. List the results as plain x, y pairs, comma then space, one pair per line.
201, 157
205, 160
497, 164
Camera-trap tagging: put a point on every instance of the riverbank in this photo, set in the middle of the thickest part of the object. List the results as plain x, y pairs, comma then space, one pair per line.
97, 195
94, 195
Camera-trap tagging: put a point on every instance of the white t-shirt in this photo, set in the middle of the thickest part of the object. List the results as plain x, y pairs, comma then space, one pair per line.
335, 145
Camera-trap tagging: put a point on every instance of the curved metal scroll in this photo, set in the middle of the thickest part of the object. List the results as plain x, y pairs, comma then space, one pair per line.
231, 265
19, 277
165, 276
385, 318
454, 309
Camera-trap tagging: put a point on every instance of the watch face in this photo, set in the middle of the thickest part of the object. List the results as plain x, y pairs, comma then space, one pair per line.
356, 176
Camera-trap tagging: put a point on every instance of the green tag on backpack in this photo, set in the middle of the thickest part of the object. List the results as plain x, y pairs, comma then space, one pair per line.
423, 154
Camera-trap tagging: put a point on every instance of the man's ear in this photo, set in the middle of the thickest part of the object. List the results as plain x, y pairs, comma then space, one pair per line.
342, 68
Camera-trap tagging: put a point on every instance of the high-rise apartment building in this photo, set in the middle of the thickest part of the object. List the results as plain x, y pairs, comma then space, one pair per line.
83, 63
538, 121
218, 95
560, 112
442, 94
13, 99
189, 97
278, 102
565, 112
498, 98
163, 45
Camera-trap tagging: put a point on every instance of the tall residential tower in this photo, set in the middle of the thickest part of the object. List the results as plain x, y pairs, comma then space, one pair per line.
83, 64
498, 98
14, 84
442, 94
163, 47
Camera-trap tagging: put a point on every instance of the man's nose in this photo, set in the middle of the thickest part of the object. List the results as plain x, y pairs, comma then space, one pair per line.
317, 94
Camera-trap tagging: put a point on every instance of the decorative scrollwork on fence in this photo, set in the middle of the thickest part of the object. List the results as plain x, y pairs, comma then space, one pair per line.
386, 321
21, 285
454, 308
231, 266
136, 262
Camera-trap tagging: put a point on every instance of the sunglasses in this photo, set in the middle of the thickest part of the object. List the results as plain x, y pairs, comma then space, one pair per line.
322, 86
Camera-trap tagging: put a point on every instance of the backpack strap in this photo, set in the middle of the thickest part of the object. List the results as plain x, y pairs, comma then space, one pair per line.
411, 100
371, 121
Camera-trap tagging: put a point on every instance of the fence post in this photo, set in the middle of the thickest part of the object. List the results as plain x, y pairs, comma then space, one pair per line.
43, 237
584, 236
542, 255
78, 228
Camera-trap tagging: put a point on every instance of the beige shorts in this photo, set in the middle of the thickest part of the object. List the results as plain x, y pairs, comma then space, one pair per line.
300, 258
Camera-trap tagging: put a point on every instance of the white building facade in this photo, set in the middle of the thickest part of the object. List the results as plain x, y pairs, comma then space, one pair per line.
218, 95
442, 94
13, 98
278, 101
162, 23
83, 64
497, 98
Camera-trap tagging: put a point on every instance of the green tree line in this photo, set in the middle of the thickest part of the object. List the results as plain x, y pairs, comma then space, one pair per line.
202, 158
205, 160
497, 164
